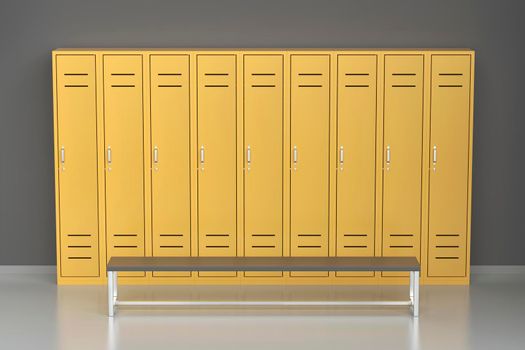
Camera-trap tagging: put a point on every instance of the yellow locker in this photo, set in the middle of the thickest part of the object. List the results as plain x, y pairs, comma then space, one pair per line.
309, 135
403, 131
263, 146
217, 140
356, 130
170, 149
77, 168
123, 118
449, 161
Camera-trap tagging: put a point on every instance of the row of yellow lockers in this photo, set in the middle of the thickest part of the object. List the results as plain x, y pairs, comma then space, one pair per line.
263, 153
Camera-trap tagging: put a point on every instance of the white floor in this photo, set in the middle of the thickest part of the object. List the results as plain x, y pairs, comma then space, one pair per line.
37, 314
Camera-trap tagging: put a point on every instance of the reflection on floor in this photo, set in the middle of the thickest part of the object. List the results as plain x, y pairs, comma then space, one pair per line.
36, 314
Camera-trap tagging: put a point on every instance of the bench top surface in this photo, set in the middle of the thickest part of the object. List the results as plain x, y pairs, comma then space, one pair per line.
263, 264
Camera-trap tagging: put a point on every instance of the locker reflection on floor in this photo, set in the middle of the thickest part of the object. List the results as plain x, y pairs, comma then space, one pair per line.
38, 314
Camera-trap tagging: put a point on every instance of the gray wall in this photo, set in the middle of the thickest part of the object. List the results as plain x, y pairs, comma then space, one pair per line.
30, 29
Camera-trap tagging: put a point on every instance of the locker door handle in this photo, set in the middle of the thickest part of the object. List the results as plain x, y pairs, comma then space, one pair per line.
110, 159
249, 157
387, 157
341, 157
155, 155
63, 157
202, 157
295, 157
434, 157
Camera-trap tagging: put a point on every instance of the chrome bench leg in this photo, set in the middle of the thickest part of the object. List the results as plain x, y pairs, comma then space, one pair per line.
111, 293
415, 292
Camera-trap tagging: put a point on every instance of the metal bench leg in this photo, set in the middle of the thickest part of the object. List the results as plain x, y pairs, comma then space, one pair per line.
411, 284
111, 295
415, 307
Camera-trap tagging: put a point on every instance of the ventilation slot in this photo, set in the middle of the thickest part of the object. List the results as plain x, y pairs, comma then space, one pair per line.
79, 246
310, 74
75, 74
356, 246
125, 235
401, 235
122, 86
358, 86
172, 246
125, 246
216, 85
170, 74
447, 235
217, 74
357, 74
447, 257
217, 246
309, 246
76, 85
171, 235
262, 86
263, 246
355, 235
263, 235
217, 235
263, 74
403, 86
447, 246
79, 235
404, 74
169, 86
123, 74
449, 85
451, 74
401, 246
310, 85
309, 235
79, 257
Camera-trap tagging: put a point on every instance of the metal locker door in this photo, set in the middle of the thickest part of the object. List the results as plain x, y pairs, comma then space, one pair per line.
356, 147
449, 161
217, 140
310, 124
403, 131
263, 147
77, 165
170, 149
123, 117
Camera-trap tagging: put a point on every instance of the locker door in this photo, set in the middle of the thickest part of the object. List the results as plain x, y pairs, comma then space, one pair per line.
450, 111
310, 124
124, 156
217, 182
263, 145
170, 147
77, 164
356, 130
403, 129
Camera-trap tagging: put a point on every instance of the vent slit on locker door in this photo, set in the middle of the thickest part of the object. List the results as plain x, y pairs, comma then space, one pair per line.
262, 86
356, 246
172, 246
79, 235
263, 246
171, 235
263, 235
403, 86
263, 74
217, 246
356, 85
404, 74
122, 85
76, 85
447, 246
217, 74
217, 85
401, 246
357, 74
161, 74
311, 74
309, 246
169, 85
355, 234
310, 85
79, 257
79, 246
125, 235
447, 257
447, 235
125, 246
449, 85
123, 74
309, 235
401, 234
75, 74
451, 74
217, 235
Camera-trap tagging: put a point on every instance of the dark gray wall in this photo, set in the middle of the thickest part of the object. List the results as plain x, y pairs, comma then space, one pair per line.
30, 29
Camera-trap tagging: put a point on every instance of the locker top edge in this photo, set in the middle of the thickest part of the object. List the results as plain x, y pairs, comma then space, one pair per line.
71, 50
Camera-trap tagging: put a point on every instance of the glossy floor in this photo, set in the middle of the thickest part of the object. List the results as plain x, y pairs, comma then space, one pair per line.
37, 314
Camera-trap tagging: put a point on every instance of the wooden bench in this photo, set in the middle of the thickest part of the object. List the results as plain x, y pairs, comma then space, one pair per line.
405, 264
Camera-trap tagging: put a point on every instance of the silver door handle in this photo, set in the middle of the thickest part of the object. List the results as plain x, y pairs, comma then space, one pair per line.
202, 156
341, 156
109, 155
434, 155
249, 156
295, 157
62, 155
155, 155
388, 155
